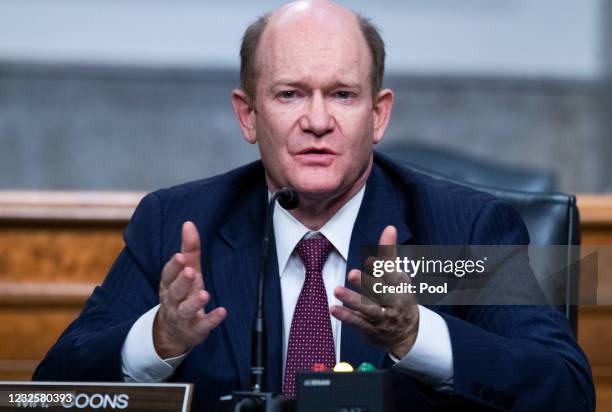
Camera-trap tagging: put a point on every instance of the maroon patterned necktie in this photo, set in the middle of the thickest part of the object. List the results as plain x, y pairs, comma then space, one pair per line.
310, 339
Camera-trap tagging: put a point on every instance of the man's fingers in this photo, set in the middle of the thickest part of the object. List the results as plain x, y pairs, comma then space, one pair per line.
181, 286
357, 302
388, 237
388, 241
190, 245
188, 308
354, 277
351, 317
171, 269
190, 238
209, 321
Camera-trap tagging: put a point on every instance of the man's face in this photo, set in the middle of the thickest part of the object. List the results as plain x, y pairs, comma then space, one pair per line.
313, 112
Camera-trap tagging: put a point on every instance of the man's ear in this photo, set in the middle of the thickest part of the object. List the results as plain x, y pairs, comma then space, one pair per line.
245, 113
383, 104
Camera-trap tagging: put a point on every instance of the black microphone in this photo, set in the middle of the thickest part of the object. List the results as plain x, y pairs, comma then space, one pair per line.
289, 199
257, 400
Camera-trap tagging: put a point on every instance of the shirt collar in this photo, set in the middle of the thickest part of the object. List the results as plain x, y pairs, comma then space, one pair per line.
288, 231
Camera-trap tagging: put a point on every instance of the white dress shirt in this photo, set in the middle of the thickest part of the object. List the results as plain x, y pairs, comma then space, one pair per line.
430, 360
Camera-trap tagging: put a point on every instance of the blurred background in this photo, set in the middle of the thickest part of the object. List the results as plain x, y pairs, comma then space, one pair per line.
134, 94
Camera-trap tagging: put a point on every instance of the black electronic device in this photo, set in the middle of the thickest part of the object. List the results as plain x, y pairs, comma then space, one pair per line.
344, 391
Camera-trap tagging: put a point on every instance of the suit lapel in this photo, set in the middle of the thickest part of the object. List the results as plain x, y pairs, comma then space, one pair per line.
234, 283
274, 321
234, 265
381, 206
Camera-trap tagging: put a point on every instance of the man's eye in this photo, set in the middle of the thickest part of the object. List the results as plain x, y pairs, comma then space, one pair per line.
287, 94
343, 94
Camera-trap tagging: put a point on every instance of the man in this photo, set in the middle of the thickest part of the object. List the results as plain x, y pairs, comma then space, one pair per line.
179, 301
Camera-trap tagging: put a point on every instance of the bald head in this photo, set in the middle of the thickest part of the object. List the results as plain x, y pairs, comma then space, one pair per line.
308, 24
310, 12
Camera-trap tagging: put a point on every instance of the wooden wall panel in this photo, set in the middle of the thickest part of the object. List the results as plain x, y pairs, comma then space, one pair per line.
595, 337
54, 253
595, 322
54, 248
26, 333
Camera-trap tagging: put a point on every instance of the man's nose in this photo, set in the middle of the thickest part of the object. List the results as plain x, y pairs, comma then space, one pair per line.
317, 120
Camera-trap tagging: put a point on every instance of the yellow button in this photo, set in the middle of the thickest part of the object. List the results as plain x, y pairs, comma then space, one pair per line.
343, 367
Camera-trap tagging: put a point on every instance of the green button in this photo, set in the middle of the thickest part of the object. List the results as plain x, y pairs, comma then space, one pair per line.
366, 367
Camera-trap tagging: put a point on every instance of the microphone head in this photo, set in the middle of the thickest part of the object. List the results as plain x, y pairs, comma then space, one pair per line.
288, 198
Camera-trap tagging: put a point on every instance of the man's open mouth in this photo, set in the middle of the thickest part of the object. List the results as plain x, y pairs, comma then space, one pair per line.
315, 156
317, 151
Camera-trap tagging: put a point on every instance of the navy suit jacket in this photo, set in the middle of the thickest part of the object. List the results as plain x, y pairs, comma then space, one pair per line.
519, 357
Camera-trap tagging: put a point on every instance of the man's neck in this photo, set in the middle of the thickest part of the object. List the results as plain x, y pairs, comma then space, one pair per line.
314, 211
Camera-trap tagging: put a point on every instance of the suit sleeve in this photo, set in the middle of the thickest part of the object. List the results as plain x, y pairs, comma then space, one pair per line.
521, 357
90, 348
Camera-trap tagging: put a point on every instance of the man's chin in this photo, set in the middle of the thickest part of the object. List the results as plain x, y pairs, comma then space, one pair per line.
318, 189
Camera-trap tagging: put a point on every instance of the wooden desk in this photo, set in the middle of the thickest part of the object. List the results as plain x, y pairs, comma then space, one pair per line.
55, 246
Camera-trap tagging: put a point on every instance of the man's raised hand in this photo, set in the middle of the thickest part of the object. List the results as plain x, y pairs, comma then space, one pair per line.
394, 327
181, 321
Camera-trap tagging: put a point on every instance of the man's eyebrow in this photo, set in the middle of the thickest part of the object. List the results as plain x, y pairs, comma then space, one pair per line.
349, 85
302, 85
288, 82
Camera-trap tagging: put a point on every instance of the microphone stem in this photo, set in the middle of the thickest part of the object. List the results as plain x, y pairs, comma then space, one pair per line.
259, 343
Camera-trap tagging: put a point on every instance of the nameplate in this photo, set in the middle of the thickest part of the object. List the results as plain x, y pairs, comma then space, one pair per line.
95, 396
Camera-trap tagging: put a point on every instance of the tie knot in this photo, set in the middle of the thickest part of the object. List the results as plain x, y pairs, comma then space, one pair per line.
314, 253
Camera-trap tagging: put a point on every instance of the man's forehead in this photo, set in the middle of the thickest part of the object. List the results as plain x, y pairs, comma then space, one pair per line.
287, 51
291, 61
312, 39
